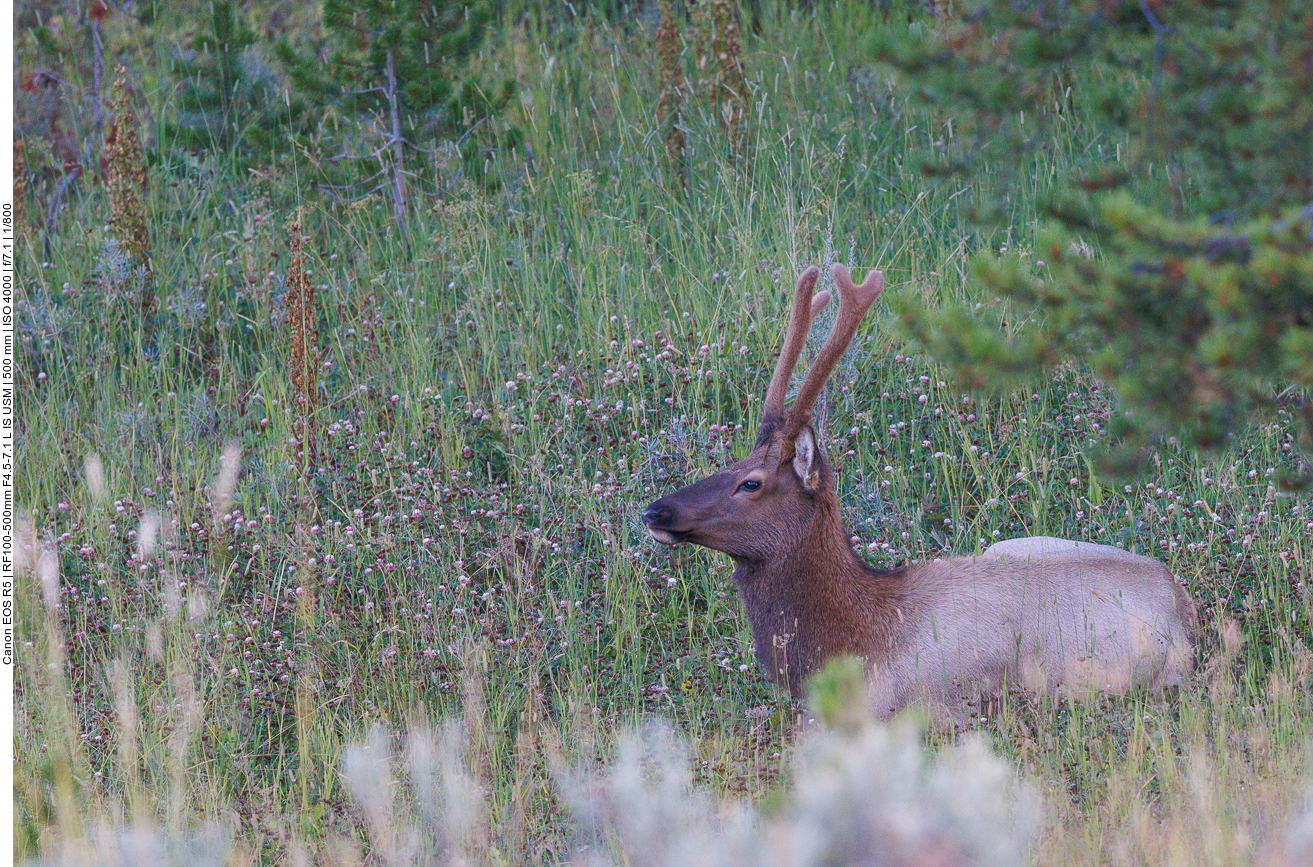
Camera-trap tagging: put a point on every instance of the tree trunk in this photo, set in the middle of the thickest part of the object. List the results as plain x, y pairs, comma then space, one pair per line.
398, 148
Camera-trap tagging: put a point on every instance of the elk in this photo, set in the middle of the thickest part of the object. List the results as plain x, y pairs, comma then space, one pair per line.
1043, 614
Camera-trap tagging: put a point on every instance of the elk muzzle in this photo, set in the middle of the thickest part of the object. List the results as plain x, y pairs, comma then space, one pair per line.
662, 521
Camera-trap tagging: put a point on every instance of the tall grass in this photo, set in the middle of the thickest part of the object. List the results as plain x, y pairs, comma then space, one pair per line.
495, 406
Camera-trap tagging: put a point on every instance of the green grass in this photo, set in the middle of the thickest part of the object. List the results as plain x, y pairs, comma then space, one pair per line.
510, 382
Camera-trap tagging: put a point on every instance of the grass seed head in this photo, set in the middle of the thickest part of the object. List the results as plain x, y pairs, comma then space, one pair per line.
25, 550
47, 570
230, 463
147, 535
94, 470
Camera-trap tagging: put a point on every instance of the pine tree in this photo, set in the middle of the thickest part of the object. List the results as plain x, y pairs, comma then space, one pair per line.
397, 65
1175, 253
228, 100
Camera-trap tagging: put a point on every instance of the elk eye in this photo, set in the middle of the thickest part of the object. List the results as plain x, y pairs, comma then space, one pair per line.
750, 485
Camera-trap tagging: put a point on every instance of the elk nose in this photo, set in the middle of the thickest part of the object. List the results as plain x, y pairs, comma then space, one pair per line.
657, 514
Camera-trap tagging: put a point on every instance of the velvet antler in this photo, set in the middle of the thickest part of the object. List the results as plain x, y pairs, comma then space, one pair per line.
854, 301
800, 320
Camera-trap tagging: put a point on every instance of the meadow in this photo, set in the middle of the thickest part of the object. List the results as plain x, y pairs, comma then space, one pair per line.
223, 626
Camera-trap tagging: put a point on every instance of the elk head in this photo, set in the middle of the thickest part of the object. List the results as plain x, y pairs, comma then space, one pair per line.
762, 507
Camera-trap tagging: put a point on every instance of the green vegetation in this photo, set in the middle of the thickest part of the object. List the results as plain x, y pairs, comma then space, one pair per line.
1174, 251
399, 65
208, 619
229, 101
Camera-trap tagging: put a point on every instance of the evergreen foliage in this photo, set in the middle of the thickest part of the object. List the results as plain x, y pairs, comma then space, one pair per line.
425, 37
1177, 255
229, 100
428, 42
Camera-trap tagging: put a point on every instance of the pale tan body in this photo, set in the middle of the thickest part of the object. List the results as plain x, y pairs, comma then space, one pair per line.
1049, 615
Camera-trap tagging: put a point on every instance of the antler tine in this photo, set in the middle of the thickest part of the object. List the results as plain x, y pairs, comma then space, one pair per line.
854, 301
800, 320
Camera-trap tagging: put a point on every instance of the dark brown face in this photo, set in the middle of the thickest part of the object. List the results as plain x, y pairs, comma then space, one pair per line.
757, 509
762, 507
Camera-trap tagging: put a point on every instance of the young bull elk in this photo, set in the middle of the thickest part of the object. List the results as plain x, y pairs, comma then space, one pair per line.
1043, 613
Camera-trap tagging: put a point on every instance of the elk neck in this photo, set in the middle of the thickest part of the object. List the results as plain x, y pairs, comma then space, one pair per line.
817, 600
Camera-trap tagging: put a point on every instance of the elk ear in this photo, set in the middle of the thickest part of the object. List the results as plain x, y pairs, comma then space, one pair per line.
805, 463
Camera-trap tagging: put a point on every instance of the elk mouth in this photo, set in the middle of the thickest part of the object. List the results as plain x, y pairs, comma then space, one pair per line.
658, 519
667, 537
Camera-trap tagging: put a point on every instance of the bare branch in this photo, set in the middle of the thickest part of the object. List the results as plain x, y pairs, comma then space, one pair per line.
346, 200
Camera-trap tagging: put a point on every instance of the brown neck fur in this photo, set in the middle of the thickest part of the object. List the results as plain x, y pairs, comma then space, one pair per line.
818, 600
